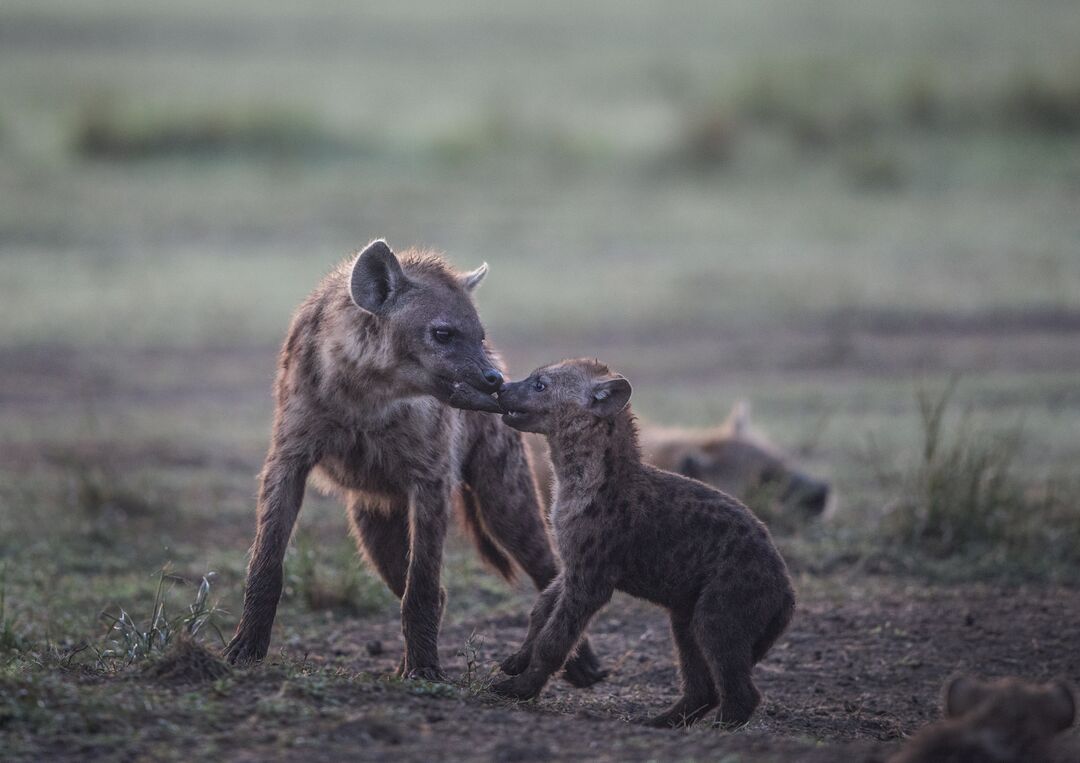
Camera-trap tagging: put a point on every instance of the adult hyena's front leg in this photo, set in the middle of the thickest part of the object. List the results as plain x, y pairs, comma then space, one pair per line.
280, 496
423, 602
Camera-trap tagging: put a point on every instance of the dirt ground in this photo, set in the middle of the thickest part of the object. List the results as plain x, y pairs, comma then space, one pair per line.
861, 667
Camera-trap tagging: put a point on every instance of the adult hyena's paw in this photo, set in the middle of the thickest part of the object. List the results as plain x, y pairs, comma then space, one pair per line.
516, 664
428, 673
516, 688
583, 669
245, 649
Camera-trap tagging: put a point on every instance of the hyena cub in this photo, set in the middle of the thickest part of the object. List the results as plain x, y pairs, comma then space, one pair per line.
1008, 720
621, 524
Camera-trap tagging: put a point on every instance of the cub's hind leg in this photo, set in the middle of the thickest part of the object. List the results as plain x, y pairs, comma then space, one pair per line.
699, 691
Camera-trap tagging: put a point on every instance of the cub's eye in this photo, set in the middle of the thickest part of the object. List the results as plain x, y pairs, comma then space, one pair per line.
539, 386
442, 334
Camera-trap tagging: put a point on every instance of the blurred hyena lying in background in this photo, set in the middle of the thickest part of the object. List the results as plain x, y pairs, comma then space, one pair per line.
733, 457
1008, 720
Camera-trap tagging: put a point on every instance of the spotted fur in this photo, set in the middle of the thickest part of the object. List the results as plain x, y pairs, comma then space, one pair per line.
624, 525
362, 392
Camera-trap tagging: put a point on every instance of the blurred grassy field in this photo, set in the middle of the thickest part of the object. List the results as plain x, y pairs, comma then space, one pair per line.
819, 207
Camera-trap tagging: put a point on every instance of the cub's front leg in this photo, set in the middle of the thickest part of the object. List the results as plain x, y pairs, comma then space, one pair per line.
517, 663
576, 601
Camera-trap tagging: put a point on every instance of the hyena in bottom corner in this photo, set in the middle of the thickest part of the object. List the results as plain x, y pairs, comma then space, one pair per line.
1007, 720
374, 360
621, 524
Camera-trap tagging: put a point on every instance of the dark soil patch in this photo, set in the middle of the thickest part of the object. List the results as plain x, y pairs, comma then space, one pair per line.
186, 661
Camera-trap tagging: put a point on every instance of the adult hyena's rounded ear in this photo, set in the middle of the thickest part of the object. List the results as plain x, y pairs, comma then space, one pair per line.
963, 693
609, 396
1062, 704
737, 423
377, 277
469, 281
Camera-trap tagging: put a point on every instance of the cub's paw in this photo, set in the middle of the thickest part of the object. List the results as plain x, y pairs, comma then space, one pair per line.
583, 669
515, 688
515, 664
683, 715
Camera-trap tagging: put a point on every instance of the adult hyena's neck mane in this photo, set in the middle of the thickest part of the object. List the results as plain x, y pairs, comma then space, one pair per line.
589, 453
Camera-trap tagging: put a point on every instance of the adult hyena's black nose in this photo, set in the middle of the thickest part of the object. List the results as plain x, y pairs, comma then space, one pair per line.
493, 378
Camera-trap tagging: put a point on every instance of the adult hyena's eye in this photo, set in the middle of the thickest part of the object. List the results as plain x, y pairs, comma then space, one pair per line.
539, 386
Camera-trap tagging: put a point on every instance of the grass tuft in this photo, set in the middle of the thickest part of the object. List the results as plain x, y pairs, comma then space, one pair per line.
964, 496
129, 642
187, 661
10, 640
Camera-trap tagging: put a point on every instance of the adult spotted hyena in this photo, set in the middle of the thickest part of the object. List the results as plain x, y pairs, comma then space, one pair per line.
734, 457
374, 359
624, 525
1008, 720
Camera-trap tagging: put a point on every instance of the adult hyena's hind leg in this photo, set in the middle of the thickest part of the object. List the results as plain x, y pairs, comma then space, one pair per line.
501, 505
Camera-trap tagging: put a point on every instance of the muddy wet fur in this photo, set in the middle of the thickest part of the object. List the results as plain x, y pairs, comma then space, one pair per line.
624, 525
187, 661
1008, 720
373, 361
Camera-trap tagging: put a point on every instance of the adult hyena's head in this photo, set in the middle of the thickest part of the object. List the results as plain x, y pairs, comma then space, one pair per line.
434, 338
738, 460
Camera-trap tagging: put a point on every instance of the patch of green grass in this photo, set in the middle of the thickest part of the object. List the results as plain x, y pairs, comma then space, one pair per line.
965, 496
331, 578
107, 133
10, 639
130, 640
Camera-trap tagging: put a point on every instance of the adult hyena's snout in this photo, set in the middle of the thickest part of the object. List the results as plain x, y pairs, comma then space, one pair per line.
490, 380
808, 494
475, 388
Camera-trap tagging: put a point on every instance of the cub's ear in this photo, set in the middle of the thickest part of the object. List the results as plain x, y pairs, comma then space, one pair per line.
609, 396
377, 278
962, 694
1062, 704
469, 281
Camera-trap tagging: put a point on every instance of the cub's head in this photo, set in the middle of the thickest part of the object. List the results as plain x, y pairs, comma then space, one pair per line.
559, 396
435, 332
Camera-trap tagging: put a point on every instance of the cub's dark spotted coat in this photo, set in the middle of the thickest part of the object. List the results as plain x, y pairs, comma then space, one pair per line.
624, 525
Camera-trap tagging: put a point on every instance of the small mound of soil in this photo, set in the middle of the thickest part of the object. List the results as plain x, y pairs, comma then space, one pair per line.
186, 661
